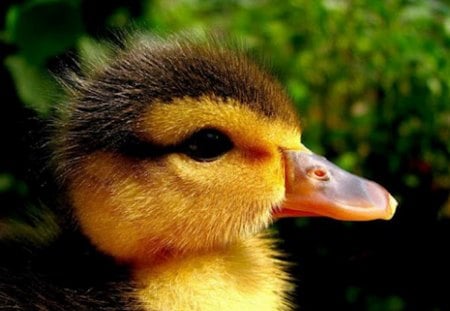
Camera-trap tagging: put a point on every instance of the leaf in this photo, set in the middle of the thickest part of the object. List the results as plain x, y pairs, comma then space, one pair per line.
42, 29
35, 86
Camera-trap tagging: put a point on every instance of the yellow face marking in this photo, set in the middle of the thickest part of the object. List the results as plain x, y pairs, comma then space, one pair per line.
246, 128
139, 209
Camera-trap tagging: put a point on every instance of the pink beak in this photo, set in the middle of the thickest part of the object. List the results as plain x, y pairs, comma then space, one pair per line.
316, 187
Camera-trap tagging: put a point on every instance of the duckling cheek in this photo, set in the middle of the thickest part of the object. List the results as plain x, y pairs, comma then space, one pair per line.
99, 219
234, 180
114, 203
134, 211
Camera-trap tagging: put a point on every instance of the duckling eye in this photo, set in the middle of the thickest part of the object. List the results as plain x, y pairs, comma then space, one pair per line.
207, 145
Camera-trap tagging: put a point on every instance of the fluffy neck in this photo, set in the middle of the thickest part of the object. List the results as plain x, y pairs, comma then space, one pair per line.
244, 276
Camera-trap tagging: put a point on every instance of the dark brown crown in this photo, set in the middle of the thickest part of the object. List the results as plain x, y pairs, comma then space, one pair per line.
106, 103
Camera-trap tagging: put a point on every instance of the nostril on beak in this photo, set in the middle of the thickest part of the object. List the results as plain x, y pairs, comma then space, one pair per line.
319, 173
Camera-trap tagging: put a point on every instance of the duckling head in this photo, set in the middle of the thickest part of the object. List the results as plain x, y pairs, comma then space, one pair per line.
177, 147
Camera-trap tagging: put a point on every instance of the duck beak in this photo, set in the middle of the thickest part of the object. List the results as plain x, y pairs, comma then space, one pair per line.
317, 187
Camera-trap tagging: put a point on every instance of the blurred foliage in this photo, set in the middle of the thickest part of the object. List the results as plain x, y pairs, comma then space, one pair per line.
371, 80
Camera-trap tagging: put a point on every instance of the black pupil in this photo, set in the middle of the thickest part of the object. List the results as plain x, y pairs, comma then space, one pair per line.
207, 145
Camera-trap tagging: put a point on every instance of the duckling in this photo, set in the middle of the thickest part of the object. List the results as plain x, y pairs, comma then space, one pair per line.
175, 157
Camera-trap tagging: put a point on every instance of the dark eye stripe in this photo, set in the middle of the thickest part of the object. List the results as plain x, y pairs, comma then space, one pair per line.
136, 147
204, 145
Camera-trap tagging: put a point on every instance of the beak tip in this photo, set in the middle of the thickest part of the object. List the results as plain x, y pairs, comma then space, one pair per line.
392, 206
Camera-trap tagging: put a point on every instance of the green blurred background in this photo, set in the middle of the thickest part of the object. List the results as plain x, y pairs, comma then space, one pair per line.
371, 80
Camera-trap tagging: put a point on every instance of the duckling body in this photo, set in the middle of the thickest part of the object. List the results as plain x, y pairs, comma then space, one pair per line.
245, 276
68, 274
174, 158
